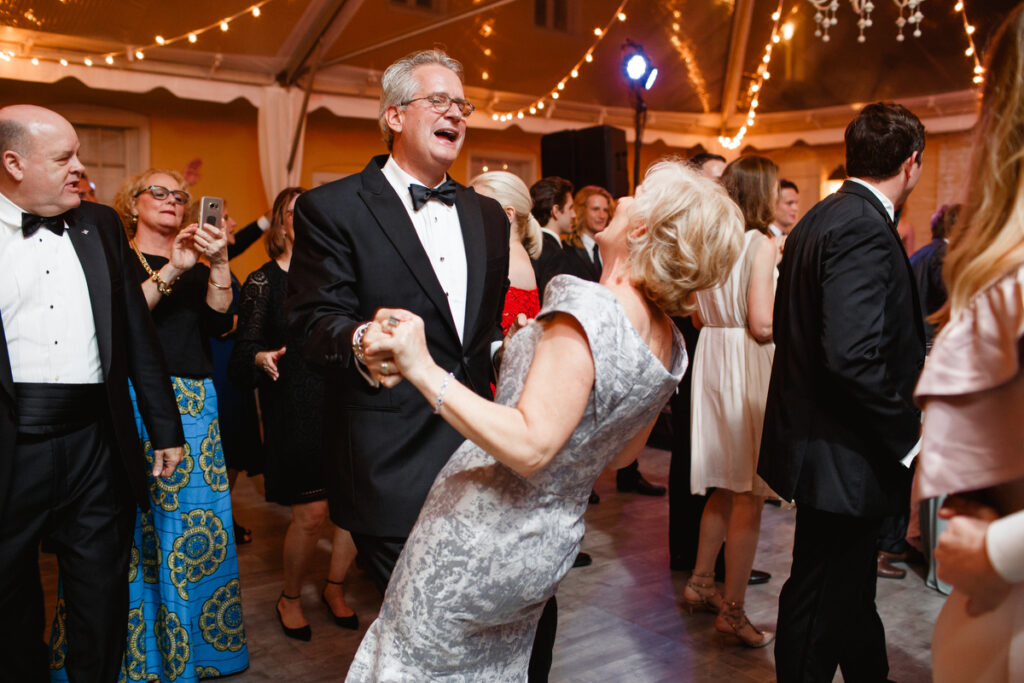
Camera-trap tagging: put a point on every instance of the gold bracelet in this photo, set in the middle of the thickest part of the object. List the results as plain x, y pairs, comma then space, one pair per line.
211, 282
161, 286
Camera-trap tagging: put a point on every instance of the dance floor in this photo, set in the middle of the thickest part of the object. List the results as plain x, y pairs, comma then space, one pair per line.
621, 619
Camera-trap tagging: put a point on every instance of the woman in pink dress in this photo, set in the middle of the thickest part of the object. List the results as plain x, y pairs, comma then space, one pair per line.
972, 392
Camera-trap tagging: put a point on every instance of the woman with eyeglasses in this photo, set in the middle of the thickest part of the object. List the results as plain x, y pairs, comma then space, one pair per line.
185, 610
291, 401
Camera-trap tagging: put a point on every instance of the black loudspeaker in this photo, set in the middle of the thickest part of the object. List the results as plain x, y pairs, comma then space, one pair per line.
589, 156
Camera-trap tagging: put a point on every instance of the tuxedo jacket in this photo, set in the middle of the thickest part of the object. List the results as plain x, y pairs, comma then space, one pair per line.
356, 250
549, 263
849, 345
578, 262
129, 349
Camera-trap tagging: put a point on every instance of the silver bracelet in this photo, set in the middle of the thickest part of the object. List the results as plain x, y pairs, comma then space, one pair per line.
440, 394
218, 286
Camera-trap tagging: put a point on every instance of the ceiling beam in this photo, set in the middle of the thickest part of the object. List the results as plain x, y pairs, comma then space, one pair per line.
742, 16
326, 26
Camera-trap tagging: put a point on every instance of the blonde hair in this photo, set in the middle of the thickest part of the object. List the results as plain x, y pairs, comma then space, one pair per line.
124, 200
693, 235
988, 240
511, 192
580, 204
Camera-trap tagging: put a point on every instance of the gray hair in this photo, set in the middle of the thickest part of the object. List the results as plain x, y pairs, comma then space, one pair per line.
399, 85
14, 136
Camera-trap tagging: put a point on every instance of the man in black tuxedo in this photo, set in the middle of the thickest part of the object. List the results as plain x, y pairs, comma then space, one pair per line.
75, 329
397, 235
840, 417
554, 211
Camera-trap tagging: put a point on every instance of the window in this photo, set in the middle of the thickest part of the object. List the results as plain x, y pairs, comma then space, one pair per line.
553, 14
114, 145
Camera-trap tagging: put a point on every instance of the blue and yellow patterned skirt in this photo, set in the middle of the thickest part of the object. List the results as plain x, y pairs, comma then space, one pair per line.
185, 606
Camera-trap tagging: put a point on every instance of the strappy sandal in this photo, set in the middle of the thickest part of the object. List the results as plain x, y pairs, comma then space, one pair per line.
702, 594
732, 621
350, 622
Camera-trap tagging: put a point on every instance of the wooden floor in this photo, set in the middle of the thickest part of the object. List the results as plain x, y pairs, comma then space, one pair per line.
619, 619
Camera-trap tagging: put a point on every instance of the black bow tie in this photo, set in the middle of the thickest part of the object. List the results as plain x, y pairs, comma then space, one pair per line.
31, 222
444, 192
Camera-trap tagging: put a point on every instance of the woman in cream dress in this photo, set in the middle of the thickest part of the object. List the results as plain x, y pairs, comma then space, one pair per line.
731, 370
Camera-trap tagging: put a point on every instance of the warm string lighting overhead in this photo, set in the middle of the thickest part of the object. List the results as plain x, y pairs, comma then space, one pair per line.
138, 53
684, 47
538, 105
971, 51
756, 87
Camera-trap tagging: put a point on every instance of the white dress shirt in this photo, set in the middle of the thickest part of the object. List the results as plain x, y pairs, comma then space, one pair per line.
886, 202
45, 305
588, 245
437, 225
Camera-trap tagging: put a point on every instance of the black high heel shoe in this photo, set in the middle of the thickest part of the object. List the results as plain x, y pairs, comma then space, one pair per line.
350, 622
303, 633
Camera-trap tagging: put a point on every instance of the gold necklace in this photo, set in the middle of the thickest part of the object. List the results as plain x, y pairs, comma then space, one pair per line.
161, 286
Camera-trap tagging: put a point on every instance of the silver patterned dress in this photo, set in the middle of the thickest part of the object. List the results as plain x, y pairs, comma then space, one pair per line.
490, 546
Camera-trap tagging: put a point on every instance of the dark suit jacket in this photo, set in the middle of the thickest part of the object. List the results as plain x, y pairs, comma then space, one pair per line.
849, 345
549, 263
927, 265
355, 251
128, 346
579, 263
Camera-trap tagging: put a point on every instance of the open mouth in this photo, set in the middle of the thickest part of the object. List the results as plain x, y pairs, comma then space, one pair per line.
449, 135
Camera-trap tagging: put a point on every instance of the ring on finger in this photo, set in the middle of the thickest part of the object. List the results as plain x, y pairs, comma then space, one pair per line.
385, 368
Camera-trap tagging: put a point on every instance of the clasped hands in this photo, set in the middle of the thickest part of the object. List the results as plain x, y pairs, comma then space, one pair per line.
395, 346
962, 555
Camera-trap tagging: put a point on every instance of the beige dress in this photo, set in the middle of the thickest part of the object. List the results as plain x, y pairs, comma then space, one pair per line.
731, 371
972, 391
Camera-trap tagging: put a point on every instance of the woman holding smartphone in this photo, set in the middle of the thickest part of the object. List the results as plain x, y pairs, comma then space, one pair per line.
185, 610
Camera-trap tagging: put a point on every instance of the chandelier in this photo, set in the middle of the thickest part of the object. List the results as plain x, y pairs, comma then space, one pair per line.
826, 11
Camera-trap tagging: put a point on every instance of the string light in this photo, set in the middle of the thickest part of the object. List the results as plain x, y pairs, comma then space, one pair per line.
762, 75
192, 37
971, 51
533, 108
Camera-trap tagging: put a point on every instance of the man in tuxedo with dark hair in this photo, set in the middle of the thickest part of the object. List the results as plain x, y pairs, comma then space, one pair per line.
400, 234
849, 345
75, 329
554, 211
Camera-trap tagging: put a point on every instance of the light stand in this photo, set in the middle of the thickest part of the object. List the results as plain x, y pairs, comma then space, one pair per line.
640, 75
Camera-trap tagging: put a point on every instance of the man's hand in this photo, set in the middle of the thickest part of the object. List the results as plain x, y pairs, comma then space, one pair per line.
963, 558
166, 459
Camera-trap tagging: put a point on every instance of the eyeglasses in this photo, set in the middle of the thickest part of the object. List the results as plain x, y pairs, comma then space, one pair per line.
160, 192
441, 103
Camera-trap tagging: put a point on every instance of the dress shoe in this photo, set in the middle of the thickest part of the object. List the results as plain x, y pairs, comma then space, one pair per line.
887, 571
908, 556
303, 633
594, 498
582, 560
350, 622
640, 485
757, 577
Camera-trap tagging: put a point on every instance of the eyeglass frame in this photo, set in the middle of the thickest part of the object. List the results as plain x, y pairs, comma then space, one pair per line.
170, 193
462, 103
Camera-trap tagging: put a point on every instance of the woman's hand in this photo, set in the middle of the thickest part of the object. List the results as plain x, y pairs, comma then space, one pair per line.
184, 251
212, 242
267, 362
963, 558
400, 350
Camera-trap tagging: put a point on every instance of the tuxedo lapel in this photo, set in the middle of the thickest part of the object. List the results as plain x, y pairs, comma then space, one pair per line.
88, 245
390, 214
472, 222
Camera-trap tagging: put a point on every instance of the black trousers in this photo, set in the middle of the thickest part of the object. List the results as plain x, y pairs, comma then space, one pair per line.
377, 557
67, 492
827, 613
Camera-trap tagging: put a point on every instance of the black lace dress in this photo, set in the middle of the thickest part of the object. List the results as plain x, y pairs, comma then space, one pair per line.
291, 407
